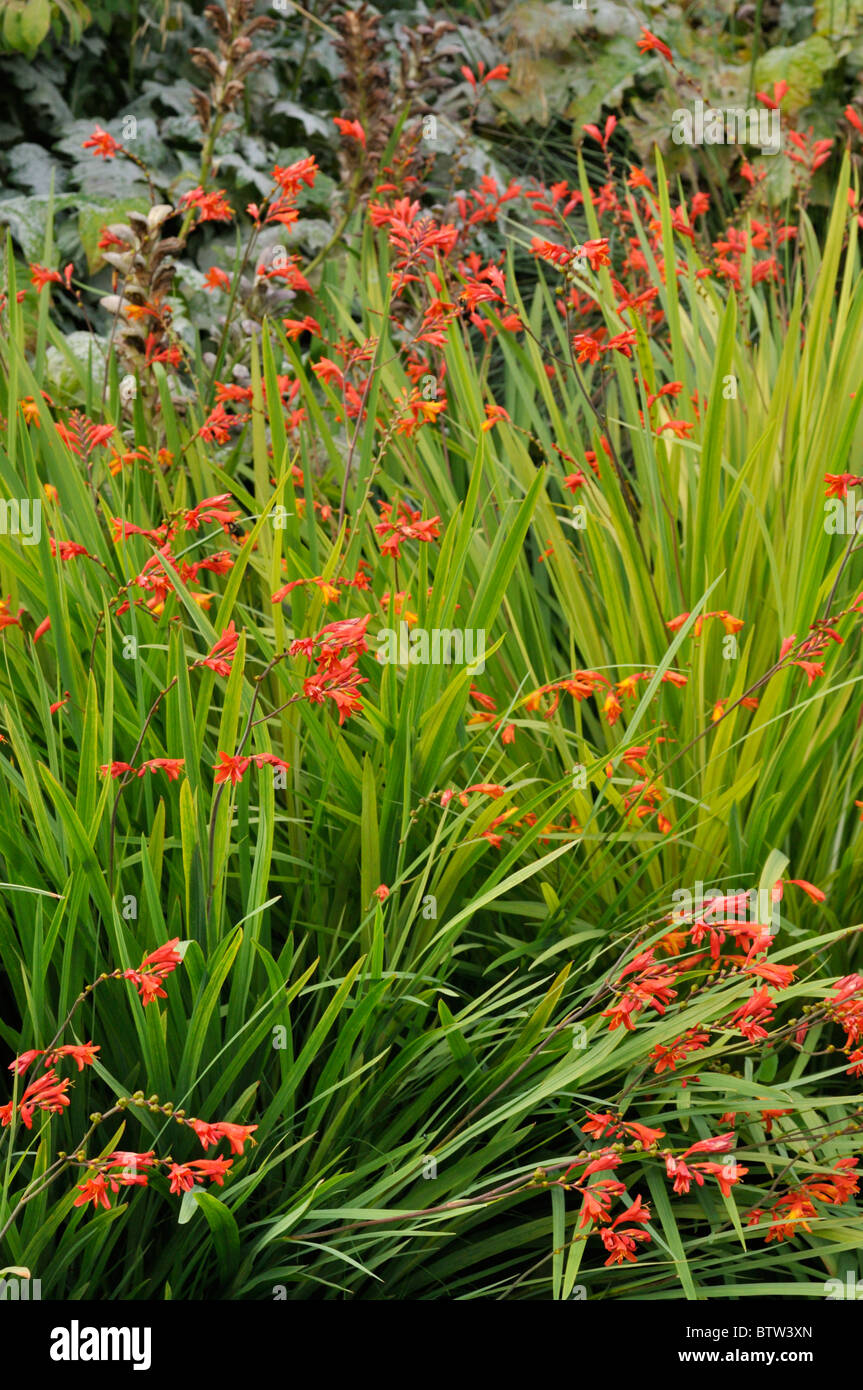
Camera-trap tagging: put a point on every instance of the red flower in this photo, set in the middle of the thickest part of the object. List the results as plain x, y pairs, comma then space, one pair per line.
102, 144
93, 1190
269, 759
153, 970
116, 769
294, 327
809, 889
207, 1133
643, 1133
172, 767
726, 1174
42, 275
216, 279
779, 90
597, 1124
649, 43
212, 1168
211, 207
236, 1135
291, 178
47, 1092
83, 1053
185, 1175
719, 1144
182, 1177
853, 119
222, 653
352, 129
231, 769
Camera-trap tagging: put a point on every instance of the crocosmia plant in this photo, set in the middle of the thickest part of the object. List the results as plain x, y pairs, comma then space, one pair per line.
431, 588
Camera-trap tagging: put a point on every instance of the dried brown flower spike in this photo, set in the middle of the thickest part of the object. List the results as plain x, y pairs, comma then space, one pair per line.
366, 90
234, 25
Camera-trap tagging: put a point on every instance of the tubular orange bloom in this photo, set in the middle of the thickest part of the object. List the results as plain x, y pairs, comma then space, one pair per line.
83, 1053
643, 1133
153, 970
291, 177
94, 1190
720, 1144
839, 483
222, 653
381, 893
730, 623
597, 1124
853, 119
612, 708
809, 889
666, 1058
813, 669
269, 760
231, 768
749, 1018
649, 43
42, 275
182, 1177
115, 769
216, 279
622, 1245
596, 251
47, 1092
493, 413
294, 327
213, 1168
211, 207
172, 767
726, 1174
101, 143
207, 1133
350, 129
779, 90
781, 976
236, 1135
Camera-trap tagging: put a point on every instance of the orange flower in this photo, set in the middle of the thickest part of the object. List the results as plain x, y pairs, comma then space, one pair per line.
612, 708
649, 43
216, 279
494, 413
42, 275
350, 129
222, 653
153, 969
102, 144
172, 767
236, 1135
47, 1092
231, 768
211, 207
